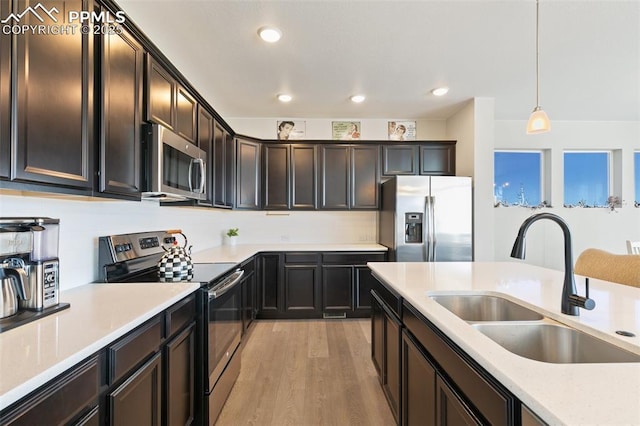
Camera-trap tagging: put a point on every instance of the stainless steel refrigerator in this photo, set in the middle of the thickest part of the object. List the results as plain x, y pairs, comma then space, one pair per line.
427, 218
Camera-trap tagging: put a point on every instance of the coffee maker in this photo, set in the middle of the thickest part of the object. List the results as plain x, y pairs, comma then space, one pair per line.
28, 264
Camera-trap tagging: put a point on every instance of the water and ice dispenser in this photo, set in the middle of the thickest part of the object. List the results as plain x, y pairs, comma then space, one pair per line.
413, 227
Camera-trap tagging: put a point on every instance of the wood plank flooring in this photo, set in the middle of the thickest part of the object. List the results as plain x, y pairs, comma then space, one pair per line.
307, 372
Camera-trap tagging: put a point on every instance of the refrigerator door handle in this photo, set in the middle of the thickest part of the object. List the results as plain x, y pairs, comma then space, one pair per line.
426, 233
432, 227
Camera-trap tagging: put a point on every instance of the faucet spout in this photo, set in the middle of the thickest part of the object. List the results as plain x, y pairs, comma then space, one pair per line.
570, 302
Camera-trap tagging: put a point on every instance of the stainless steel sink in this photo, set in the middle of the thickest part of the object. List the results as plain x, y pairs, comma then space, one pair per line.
484, 307
554, 343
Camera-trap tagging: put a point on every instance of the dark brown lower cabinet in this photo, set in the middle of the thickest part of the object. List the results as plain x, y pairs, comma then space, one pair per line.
61, 401
385, 341
337, 288
451, 409
138, 400
302, 288
180, 375
418, 385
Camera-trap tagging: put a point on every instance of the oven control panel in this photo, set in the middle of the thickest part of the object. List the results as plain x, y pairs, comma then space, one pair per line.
131, 246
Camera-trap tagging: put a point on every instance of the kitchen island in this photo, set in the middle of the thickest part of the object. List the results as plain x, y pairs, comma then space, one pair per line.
557, 393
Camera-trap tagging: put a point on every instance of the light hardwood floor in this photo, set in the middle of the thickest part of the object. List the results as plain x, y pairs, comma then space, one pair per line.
307, 372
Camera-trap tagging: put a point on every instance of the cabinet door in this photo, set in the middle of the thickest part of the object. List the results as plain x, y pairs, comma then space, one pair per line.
219, 166
276, 177
54, 102
365, 175
364, 282
377, 334
301, 289
337, 288
120, 138
391, 363
450, 409
205, 142
137, 401
303, 174
5, 95
269, 284
248, 175
180, 374
161, 95
437, 159
334, 176
186, 108
418, 385
399, 160
230, 170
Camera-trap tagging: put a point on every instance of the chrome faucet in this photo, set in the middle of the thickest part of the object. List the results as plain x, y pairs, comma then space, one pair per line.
571, 302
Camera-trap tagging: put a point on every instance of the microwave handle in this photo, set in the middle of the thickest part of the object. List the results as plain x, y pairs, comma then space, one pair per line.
202, 174
189, 175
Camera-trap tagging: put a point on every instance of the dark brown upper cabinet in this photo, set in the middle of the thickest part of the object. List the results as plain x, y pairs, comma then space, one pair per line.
223, 167
161, 94
349, 176
121, 120
438, 159
248, 174
186, 108
429, 158
289, 176
53, 90
5, 96
334, 176
168, 103
365, 175
205, 142
276, 160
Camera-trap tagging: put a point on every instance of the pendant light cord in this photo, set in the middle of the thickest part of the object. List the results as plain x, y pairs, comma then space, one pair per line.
537, 54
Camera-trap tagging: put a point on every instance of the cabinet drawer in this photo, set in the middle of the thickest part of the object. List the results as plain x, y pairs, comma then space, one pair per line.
134, 348
305, 258
62, 400
180, 314
353, 258
492, 402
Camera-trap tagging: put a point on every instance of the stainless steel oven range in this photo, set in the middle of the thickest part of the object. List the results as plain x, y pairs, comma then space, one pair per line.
134, 258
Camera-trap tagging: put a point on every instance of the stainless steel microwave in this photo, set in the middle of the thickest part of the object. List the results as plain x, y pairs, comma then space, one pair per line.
173, 168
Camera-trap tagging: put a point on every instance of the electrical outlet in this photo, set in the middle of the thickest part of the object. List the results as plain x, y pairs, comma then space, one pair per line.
284, 238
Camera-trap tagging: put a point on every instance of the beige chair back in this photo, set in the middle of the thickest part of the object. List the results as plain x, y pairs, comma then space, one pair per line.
633, 247
617, 268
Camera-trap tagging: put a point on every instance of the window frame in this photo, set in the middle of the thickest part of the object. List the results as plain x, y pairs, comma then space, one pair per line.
543, 182
611, 178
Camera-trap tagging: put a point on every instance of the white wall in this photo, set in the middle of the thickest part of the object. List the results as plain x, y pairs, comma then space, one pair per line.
320, 128
597, 228
83, 220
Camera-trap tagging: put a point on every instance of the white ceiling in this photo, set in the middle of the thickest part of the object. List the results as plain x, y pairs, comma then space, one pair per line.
395, 52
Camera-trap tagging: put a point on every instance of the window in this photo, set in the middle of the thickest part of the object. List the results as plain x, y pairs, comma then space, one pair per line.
517, 178
636, 180
586, 179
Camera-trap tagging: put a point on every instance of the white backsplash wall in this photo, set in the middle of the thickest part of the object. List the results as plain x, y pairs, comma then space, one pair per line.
83, 220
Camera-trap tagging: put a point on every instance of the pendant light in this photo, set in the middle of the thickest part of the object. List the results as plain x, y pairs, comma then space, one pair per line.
538, 122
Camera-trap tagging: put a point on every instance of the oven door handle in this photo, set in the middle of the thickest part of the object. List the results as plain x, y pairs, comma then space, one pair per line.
225, 285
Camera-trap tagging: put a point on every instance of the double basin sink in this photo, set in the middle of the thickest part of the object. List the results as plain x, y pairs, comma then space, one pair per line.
529, 334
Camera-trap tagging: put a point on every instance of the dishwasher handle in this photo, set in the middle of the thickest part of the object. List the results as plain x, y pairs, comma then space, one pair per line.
225, 285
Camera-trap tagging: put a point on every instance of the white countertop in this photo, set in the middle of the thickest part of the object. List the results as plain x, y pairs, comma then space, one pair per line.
240, 252
32, 354
568, 394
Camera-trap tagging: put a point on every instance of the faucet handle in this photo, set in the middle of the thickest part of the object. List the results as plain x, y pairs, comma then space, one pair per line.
583, 302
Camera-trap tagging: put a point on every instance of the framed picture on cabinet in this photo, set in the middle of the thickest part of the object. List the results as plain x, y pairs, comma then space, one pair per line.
290, 129
345, 130
401, 130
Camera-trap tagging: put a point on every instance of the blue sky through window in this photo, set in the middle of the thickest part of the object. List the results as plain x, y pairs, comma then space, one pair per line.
586, 179
517, 178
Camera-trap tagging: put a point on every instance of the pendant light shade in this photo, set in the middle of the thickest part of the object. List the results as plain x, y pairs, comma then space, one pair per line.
538, 121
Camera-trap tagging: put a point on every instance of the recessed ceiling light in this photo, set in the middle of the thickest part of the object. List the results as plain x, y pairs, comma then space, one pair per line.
284, 98
357, 98
270, 34
440, 91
